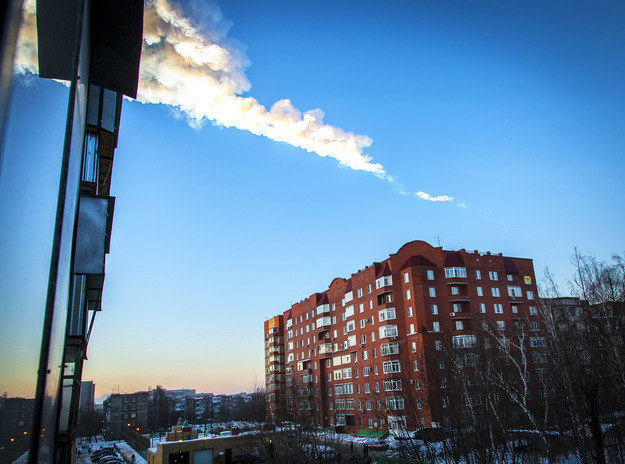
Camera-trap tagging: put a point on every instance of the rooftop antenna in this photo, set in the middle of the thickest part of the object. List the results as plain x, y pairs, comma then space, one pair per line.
438, 240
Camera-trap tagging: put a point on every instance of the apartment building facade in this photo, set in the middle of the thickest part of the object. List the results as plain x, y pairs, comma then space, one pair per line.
125, 411
361, 353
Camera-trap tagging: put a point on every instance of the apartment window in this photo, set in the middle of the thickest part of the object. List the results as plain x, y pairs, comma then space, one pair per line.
407, 294
510, 277
334, 334
441, 364
364, 355
363, 339
359, 292
530, 295
419, 403
375, 353
369, 288
411, 329
515, 309
480, 292
389, 348
417, 385
388, 331
434, 309
391, 367
495, 291
432, 291
533, 310
455, 291
366, 371
384, 281
457, 307
372, 336
527, 280
482, 307
537, 342
367, 389
498, 308
415, 365
445, 401
443, 382
386, 314
370, 304
501, 325
436, 326
438, 345
514, 291
406, 277
392, 385
375, 370
413, 347
377, 390
455, 272
492, 275
333, 306
361, 308
478, 274
430, 275
535, 325
409, 311
362, 323
459, 325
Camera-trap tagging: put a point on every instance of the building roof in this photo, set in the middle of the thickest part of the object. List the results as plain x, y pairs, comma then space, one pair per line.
418, 260
383, 270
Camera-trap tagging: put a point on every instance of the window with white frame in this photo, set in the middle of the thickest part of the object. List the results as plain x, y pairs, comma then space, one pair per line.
495, 291
455, 272
538, 342
530, 295
349, 312
406, 277
361, 308
514, 291
455, 291
384, 281
363, 339
392, 385
459, 325
419, 402
436, 326
362, 323
457, 307
372, 336
478, 274
510, 277
364, 355
370, 304
409, 311
415, 365
391, 367
394, 403
498, 308
480, 292
533, 310
411, 329
387, 331
445, 401
482, 307
386, 314
501, 325
432, 292
434, 309
408, 296
464, 341
535, 325
413, 347
351, 326
375, 370
438, 345
349, 296
390, 348
492, 275
359, 293
430, 274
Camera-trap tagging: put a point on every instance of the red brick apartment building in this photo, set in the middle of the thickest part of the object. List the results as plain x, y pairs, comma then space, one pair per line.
355, 353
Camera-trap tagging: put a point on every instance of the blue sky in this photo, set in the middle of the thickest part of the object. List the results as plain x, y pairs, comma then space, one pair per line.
513, 109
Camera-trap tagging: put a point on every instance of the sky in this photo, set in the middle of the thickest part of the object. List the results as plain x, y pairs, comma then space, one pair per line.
278, 145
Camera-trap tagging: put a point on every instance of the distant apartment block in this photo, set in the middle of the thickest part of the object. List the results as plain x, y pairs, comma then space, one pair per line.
355, 352
87, 396
125, 411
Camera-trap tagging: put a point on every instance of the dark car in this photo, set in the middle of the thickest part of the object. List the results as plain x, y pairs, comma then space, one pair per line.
377, 444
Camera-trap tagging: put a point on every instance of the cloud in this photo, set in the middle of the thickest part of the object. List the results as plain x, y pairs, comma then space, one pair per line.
428, 197
197, 70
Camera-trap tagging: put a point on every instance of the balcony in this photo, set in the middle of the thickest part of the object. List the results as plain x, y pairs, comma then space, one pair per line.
461, 315
325, 321
322, 309
325, 348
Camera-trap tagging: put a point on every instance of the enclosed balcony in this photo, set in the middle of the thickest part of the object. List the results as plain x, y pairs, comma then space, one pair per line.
325, 321
325, 348
322, 309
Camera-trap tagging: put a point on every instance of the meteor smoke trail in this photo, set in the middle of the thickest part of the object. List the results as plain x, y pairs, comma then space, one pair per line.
198, 72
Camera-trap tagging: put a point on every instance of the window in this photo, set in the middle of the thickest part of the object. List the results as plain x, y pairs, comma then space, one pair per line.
364, 355
514, 291
455, 272
464, 341
459, 325
482, 308
530, 295
394, 402
457, 307
498, 308
391, 367
409, 311
515, 309
406, 277
533, 310
351, 326
411, 329
445, 401
375, 353
377, 390
432, 291
492, 275
349, 296
370, 304
369, 288
415, 365
535, 325
386, 314
438, 345
367, 390
441, 364
372, 336
407, 294
413, 347
362, 323
480, 292
443, 382
419, 402
349, 312
387, 331
434, 309
359, 293
501, 325
389, 348
478, 274
436, 326
375, 370
384, 281
495, 291
392, 385
537, 342
363, 339
366, 371
361, 308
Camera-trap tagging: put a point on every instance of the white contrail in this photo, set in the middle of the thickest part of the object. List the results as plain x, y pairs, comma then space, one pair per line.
201, 74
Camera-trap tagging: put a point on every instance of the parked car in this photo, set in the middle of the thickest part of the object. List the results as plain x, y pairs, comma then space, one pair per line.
377, 444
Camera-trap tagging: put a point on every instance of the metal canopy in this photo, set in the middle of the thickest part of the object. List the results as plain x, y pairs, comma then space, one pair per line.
116, 37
